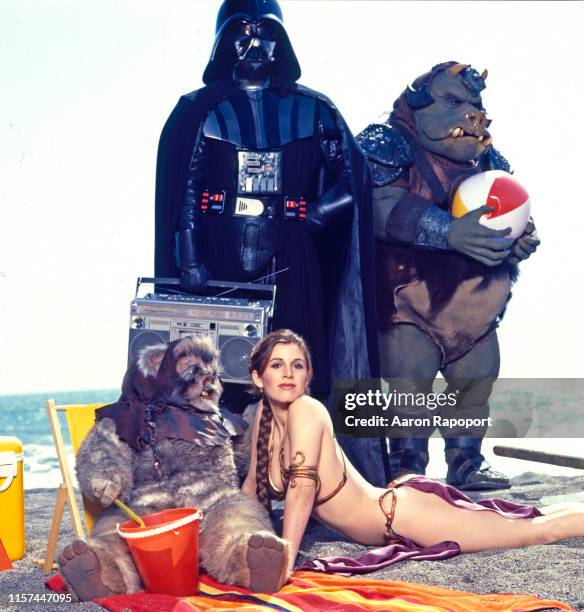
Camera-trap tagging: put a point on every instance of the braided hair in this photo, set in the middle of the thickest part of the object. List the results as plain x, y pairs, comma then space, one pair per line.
263, 456
259, 359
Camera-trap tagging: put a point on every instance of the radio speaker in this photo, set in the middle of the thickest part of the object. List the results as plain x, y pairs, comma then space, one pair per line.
234, 356
141, 338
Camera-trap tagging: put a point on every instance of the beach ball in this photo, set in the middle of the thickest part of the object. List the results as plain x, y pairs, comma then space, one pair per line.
499, 190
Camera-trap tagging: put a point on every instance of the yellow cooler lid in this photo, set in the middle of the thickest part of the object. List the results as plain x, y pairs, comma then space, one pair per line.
10, 443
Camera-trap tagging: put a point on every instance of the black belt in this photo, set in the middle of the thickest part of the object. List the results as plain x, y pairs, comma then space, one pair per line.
294, 208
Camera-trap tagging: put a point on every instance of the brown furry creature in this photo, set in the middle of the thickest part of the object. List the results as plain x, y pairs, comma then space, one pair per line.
165, 445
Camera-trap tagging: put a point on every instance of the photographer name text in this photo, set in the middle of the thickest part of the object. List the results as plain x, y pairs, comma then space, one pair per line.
397, 421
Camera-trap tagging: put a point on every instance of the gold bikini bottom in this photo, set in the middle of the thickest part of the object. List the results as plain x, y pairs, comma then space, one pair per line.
389, 535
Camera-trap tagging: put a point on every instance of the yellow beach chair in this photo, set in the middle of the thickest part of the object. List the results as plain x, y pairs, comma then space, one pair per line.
80, 419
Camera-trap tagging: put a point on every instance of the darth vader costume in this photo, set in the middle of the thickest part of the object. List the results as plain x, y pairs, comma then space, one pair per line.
258, 175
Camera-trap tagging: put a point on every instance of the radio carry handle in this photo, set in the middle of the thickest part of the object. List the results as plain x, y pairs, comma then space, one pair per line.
229, 285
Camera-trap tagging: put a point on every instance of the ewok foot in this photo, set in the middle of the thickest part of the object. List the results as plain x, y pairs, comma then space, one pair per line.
81, 569
267, 561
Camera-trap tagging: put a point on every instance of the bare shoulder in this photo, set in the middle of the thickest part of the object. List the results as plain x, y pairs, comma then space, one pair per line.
308, 410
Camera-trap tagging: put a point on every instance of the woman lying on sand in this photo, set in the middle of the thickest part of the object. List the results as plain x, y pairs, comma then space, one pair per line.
295, 457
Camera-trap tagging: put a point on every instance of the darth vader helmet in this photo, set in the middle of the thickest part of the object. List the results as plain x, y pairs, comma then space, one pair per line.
250, 38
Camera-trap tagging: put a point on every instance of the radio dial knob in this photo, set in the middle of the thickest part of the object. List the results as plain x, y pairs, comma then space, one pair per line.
139, 323
251, 331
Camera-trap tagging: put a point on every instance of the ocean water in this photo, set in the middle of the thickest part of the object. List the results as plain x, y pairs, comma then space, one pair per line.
25, 416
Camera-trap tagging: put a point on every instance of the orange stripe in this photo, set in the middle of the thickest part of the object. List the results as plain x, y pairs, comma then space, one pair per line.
313, 592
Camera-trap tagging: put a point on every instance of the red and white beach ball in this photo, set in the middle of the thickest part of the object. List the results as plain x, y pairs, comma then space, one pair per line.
499, 190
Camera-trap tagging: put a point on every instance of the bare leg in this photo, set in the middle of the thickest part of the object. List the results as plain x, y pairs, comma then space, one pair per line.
238, 545
553, 508
476, 530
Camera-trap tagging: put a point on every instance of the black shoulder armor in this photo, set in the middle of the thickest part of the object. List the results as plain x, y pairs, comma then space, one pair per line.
387, 151
493, 160
328, 124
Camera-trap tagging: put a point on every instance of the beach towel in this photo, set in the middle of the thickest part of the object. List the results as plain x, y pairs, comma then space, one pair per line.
313, 592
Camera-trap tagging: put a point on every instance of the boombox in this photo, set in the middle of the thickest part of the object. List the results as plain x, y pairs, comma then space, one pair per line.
234, 323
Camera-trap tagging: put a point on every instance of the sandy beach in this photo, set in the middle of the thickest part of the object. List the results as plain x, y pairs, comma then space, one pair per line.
553, 571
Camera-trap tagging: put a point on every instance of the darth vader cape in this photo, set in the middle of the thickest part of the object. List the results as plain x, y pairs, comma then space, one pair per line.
350, 337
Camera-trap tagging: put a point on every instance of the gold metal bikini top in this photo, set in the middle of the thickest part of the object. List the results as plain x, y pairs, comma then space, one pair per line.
298, 469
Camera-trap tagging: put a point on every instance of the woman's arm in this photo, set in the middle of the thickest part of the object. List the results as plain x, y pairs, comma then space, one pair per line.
249, 485
305, 430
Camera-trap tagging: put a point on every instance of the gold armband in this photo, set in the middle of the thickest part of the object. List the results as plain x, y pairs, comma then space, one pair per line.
299, 470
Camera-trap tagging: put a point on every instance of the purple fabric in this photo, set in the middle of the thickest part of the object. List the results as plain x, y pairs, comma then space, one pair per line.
455, 498
379, 558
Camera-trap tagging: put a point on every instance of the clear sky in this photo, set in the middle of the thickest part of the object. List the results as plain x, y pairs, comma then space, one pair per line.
86, 86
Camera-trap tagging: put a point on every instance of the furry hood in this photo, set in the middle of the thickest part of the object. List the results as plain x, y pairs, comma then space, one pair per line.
154, 407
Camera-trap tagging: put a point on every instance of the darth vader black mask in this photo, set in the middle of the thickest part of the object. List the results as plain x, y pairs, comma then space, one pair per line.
251, 43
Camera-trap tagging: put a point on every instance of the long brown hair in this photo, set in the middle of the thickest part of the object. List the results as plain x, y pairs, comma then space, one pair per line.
258, 361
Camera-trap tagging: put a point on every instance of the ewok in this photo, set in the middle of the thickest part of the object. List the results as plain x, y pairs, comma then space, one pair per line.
165, 444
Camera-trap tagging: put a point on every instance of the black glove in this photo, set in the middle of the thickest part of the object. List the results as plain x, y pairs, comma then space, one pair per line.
193, 280
334, 205
193, 270
469, 237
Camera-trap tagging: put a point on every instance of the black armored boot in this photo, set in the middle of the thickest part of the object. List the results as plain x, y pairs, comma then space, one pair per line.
467, 468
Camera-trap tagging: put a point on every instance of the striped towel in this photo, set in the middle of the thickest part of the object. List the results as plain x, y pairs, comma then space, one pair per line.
315, 592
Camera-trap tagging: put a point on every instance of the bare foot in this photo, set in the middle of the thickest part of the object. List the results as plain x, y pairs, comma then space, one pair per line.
267, 560
82, 571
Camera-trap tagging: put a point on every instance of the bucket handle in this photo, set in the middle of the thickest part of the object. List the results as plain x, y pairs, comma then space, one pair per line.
191, 518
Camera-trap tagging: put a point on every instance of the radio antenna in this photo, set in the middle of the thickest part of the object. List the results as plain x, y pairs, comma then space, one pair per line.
257, 280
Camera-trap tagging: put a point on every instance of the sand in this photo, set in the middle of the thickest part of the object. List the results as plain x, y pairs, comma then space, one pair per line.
552, 571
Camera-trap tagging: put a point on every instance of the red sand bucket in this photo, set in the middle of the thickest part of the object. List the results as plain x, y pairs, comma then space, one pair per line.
166, 550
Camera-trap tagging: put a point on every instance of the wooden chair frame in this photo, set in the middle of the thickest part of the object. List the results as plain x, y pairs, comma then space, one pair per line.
66, 492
